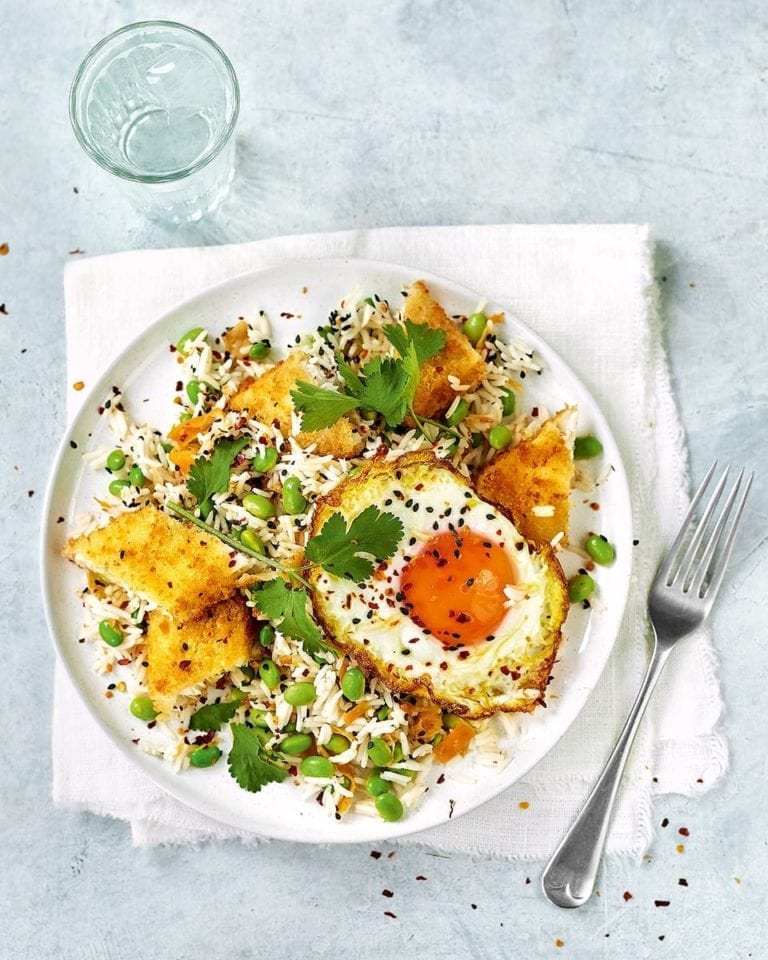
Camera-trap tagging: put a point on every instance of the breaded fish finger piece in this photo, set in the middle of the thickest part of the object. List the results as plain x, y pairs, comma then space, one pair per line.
533, 479
181, 655
169, 562
268, 399
458, 358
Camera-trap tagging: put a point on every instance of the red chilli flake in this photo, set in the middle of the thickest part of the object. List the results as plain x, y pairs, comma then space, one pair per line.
684, 832
627, 895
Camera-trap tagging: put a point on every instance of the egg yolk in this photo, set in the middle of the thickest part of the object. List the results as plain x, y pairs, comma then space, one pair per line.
454, 587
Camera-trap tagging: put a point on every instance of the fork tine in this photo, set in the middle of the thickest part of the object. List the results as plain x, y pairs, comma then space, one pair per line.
722, 561
684, 571
671, 556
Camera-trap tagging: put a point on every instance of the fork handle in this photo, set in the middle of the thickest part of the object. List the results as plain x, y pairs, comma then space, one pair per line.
569, 877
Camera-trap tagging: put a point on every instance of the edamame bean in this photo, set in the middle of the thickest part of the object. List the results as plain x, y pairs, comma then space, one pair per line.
375, 786
397, 753
204, 756
337, 744
584, 448
267, 635
580, 587
188, 338
300, 694
379, 752
269, 673
353, 684
382, 713
263, 735
460, 411
389, 807
237, 695
258, 506
252, 541
115, 461
110, 633
136, 476
264, 461
294, 500
500, 437
508, 402
142, 708
257, 717
477, 440
260, 350
296, 744
316, 767
367, 413
116, 488
193, 391
600, 549
474, 327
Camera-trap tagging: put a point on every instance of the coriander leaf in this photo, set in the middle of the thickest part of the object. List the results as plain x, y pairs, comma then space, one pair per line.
352, 382
337, 548
245, 761
427, 341
213, 715
209, 475
384, 388
278, 600
320, 408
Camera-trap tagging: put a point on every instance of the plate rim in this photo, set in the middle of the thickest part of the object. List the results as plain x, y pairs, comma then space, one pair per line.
385, 831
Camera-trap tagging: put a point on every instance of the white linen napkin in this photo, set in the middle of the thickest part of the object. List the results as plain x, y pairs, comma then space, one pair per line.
588, 290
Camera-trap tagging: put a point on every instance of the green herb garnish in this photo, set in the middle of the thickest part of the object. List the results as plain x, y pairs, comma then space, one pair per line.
246, 761
288, 606
209, 475
338, 547
386, 385
213, 715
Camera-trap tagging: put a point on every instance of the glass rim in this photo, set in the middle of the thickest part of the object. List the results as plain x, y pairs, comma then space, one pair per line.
116, 169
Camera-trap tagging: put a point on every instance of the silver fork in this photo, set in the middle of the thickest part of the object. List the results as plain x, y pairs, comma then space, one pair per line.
681, 598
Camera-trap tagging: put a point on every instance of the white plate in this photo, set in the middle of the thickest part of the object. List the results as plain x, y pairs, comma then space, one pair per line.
146, 371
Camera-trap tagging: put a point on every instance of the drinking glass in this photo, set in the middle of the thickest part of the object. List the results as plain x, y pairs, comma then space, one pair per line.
155, 104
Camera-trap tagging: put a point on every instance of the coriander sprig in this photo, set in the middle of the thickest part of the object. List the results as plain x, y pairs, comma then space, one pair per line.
235, 544
386, 385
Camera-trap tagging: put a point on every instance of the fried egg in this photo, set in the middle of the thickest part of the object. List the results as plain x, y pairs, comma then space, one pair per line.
467, 612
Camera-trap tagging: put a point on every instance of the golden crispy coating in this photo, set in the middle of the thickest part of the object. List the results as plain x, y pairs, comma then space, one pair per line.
170, 562
183, 654
533, 479
268, 398
458, 358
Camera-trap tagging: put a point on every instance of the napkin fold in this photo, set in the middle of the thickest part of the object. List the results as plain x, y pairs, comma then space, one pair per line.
589, 291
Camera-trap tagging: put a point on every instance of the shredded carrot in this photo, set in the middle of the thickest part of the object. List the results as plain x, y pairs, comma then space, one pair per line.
184, 433
358, 710
183, 457
455, 742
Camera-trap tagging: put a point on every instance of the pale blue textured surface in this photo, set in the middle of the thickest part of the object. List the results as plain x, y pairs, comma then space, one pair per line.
369, 114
